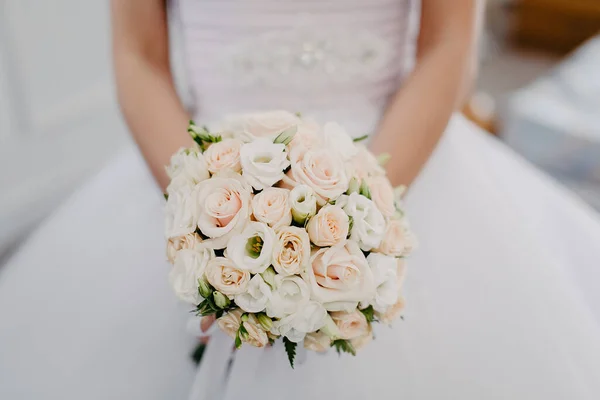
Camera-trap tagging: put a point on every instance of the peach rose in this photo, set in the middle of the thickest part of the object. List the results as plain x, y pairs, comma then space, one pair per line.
175, 244
364, 164
307, 136
230, 322
382, 194
256, 336
329, 227
397, 239
225, 277
350, 324
270, 124
392, 313
271, 206
319, 169
224, 207
317, 341
224, 155
361, 341
340, 274
291, 253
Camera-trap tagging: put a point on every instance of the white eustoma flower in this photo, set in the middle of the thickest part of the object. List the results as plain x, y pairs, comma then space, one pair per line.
307, 319
339, 141
189, 267
181, 212
303, 203
256, 297
368, 224
290, 294
252, 250
263, 162
385, 276
187, 168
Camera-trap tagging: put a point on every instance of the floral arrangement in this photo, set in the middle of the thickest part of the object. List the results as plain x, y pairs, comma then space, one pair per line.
283, 228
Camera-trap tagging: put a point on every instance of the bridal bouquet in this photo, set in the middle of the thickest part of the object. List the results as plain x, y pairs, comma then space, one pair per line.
283, 228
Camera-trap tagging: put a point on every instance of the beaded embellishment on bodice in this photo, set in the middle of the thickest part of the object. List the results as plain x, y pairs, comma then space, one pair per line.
337, 59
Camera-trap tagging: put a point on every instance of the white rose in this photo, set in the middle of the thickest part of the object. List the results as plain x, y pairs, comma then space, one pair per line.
340, 275
307, 319
189, 267
224, 155
181, 212
368, 224
338, 141
188, 241
291, 252
329, 227
272, 207
289, 295
351, 325
303, 203
251, 126
256, 297
385, 276
252, 250
324, 172
224, 207
317, 341
224, 276
187, 168
263, 163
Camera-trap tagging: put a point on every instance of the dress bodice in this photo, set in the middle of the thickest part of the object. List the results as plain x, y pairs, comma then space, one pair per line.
339, 59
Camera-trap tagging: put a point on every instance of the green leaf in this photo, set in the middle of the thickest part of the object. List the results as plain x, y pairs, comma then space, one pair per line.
364, 189
345, 346
290, 349
350, 224
238, 340
166, 196
369, 314
198, 352
360, 138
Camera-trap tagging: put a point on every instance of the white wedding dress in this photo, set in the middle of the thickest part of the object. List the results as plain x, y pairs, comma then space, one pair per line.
503, 295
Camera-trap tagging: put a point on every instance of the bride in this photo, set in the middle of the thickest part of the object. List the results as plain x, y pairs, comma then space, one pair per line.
502, 295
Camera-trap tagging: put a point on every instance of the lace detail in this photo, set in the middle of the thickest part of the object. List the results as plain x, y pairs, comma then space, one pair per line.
304, 57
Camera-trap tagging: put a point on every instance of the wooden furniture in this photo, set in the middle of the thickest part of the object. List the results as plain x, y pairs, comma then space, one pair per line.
556, 25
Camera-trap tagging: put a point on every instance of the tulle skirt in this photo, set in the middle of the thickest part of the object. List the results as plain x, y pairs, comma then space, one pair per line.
502, 298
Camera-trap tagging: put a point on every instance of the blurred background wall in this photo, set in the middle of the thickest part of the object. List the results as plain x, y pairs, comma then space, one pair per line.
539, 90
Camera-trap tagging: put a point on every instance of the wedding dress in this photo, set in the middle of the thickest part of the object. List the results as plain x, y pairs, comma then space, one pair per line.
502, 295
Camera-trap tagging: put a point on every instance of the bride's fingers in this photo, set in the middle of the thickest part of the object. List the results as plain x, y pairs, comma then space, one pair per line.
206, 322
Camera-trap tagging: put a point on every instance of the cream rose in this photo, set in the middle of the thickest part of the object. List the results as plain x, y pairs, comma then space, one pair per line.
224, 155
329, 227
310, 318
188, 241
351, 325
187, 168
361, 341
385, 276
263, 162
181, 212
364, 164
225, 277
392, 313
382, 194
230, 322
189, 267
317, 341
323, 171
291, 252
271, 206
256, 336
338, 141
340, 274
397, 240
289, 295
270, 124
308, 136
368, 224
256, 297
252, 250
224, 207
303, 203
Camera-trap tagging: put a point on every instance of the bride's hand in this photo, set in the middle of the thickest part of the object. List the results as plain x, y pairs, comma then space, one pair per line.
205, 324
